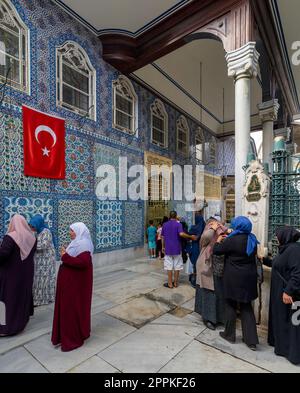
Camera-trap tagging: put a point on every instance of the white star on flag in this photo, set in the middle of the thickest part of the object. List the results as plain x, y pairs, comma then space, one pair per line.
45, 152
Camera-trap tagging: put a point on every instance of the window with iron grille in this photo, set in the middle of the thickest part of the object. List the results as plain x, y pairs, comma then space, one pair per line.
124, 105
182, 136
159, 124
76, 80
14, 64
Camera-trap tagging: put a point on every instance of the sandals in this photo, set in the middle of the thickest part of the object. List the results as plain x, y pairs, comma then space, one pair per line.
166, 285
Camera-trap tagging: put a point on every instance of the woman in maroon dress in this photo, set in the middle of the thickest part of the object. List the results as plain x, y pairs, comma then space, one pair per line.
16, 276
72, 313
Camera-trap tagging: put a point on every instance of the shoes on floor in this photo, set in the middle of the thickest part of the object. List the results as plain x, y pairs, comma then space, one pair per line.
209, 325
222, 334
252, 347
166, 285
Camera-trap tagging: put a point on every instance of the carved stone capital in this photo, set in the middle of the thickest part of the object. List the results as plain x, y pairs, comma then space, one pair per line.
283, 132
268, 111
243, 62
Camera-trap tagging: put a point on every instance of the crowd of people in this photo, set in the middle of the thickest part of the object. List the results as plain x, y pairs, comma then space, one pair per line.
28, 279
223, 272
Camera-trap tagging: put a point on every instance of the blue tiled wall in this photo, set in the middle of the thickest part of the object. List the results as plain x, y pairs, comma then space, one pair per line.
113, 224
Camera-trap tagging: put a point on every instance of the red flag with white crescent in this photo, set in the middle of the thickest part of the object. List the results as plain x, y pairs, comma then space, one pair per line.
44, 145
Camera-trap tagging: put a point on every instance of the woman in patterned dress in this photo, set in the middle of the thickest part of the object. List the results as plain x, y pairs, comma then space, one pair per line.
44, 263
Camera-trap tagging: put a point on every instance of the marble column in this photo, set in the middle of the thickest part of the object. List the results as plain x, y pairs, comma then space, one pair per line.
268, 112
242, 66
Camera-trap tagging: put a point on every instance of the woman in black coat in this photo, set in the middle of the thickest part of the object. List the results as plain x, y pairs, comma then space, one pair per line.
240, 280
284, 321
16, 276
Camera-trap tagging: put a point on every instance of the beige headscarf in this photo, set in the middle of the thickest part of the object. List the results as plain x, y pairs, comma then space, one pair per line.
21, 233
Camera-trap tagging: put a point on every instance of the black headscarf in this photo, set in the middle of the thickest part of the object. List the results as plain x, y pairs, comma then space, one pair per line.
286, 235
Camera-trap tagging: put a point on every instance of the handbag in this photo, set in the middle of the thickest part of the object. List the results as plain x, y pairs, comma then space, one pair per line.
296, 295
218, 265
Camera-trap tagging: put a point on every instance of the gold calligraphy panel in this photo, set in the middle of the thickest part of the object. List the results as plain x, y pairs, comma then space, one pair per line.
212, 187
157, 209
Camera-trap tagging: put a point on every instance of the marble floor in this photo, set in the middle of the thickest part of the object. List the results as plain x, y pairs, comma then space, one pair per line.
137, 326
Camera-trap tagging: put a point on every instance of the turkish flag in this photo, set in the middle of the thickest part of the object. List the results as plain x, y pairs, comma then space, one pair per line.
44, 145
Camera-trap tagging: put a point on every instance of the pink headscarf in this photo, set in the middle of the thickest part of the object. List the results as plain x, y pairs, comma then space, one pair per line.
21, 233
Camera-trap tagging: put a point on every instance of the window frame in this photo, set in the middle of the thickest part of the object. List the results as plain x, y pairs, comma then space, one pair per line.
123, 82
200, 137
60, 83
23, 50
182, 125
158, 109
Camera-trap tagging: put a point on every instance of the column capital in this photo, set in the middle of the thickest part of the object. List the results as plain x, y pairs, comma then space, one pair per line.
268, 111
243, 62
283, 132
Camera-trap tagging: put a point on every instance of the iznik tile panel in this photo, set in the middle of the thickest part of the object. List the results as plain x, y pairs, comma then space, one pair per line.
71, 211
134, 219
108, 225
11, 158
28, 207
78, 167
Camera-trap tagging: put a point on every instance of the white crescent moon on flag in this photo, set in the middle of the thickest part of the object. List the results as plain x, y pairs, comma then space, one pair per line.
45, 129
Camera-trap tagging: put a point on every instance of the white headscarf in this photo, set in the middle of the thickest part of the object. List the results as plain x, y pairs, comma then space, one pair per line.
82, 242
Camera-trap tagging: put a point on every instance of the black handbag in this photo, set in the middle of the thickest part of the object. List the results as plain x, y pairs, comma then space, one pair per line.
296, 295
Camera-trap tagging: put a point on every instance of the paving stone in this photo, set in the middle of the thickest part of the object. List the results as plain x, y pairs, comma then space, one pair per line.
100, 304
191, 322
149, 348
139, 311
264, 357
190, 305
180, 312
199, 358
105, 331
122, 291
20, 361
94, 365
174, 296
146, 267
39, 324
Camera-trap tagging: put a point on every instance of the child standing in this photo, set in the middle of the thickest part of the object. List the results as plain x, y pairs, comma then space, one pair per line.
151, 237
159, 241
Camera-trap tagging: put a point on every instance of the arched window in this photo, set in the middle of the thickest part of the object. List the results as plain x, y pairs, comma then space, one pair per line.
14, 34
124, 105
199, 144
182, 136
159, 124
75, 80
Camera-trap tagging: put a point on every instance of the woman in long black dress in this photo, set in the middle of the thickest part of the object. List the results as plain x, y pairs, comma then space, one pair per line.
16, 276
240, 280
284, 333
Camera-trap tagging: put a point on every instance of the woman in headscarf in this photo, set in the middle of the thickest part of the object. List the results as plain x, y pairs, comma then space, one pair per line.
16, 276
284, 324
209, 300
72, 313
194, 250
44, 263
240, 280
